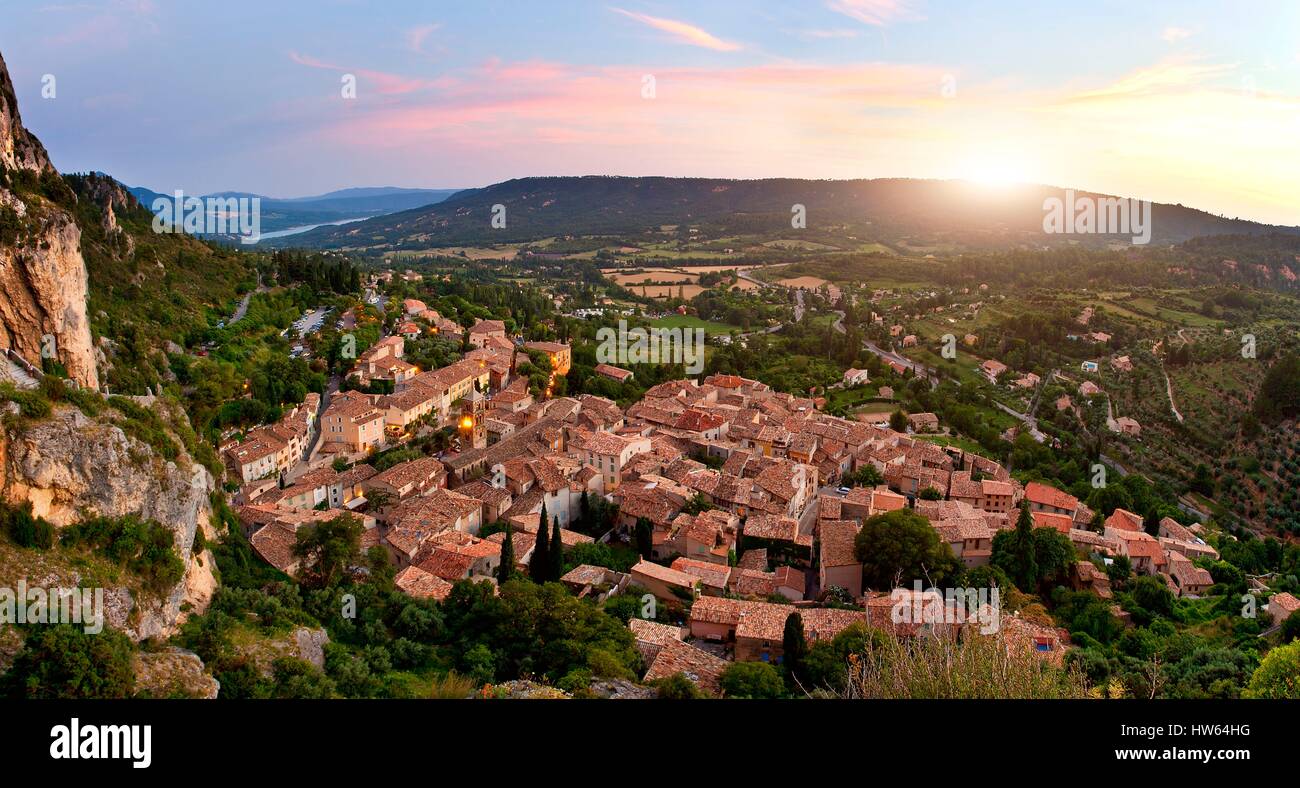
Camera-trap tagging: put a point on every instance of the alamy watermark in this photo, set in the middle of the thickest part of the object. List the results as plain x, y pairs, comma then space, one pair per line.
75, 741
1098, 216
37, 605
238, 216
654, 345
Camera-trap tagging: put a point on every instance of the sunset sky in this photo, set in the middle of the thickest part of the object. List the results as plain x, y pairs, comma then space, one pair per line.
1191, 102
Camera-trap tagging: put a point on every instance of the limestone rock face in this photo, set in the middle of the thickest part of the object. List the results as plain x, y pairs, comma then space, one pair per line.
43, 297
43, 279
303, 643
19, 148
71, 467
175, 673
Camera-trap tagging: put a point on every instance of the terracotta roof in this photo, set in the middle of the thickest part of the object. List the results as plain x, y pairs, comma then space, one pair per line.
416, 472
646, 631
698, 665
763, 526
488, 327
1284, 602
1124, 520
447, 564
1061, 522
837, 540
664, 574
710, 574
415, 582
1046, 495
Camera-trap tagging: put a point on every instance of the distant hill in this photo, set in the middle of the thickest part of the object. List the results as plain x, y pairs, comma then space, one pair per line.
955, 213
284, 213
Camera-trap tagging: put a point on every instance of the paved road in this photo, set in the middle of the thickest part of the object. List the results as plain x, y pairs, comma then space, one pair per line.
1169, 388
1111, 424
241, 310
744, 274
304, 465
1027, 420
918, 369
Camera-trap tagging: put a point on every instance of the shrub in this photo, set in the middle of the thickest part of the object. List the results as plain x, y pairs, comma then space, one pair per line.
31, 404
144, 547
63, 661
752, 680
974, 667
25, 529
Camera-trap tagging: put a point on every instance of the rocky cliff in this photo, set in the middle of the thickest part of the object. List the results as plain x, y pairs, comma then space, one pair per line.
70, 467
43, 279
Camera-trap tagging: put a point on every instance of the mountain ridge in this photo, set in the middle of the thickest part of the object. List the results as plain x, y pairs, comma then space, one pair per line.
885, 208
281, 213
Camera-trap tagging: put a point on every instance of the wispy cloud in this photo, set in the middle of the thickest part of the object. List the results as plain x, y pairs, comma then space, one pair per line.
682, 32
1175, 34
416, 36
873, 12
840, 32
385, 83
107, 26
1162, 78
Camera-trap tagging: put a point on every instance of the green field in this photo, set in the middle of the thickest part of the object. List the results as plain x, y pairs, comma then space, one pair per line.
688, 321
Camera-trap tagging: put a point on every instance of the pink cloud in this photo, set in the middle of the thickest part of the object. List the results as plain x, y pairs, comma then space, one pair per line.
386, 83
545, 107
873, 12
682, 32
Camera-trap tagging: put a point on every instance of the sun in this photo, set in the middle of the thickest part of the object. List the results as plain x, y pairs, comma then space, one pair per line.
995, 172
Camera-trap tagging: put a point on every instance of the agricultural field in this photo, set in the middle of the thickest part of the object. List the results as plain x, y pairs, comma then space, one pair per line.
710, 327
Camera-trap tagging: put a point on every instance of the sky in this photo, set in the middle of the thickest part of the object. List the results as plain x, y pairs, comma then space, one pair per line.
1189, 102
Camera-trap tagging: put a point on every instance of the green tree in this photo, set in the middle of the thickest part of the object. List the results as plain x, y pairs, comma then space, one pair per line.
1278, 675
1153, 596
1279, 392
757, 680
1016, 554
540, 564
63, 661
1054, 553
327, 550
1291, 627
678, 687
556, 554
794, 647
507, 568
644, 535
827, 663
898, 421
898, 547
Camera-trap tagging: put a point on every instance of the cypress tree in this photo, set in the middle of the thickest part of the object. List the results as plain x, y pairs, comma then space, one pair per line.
794, 646
644, 535
1025, 552
556, 552
507, 567
540, 563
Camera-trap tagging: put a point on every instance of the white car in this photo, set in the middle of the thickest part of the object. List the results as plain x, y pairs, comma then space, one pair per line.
843, 491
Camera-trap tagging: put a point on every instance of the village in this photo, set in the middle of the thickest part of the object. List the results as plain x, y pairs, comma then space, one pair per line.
743, 503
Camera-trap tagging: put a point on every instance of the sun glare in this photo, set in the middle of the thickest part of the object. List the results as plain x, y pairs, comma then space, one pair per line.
995, 172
